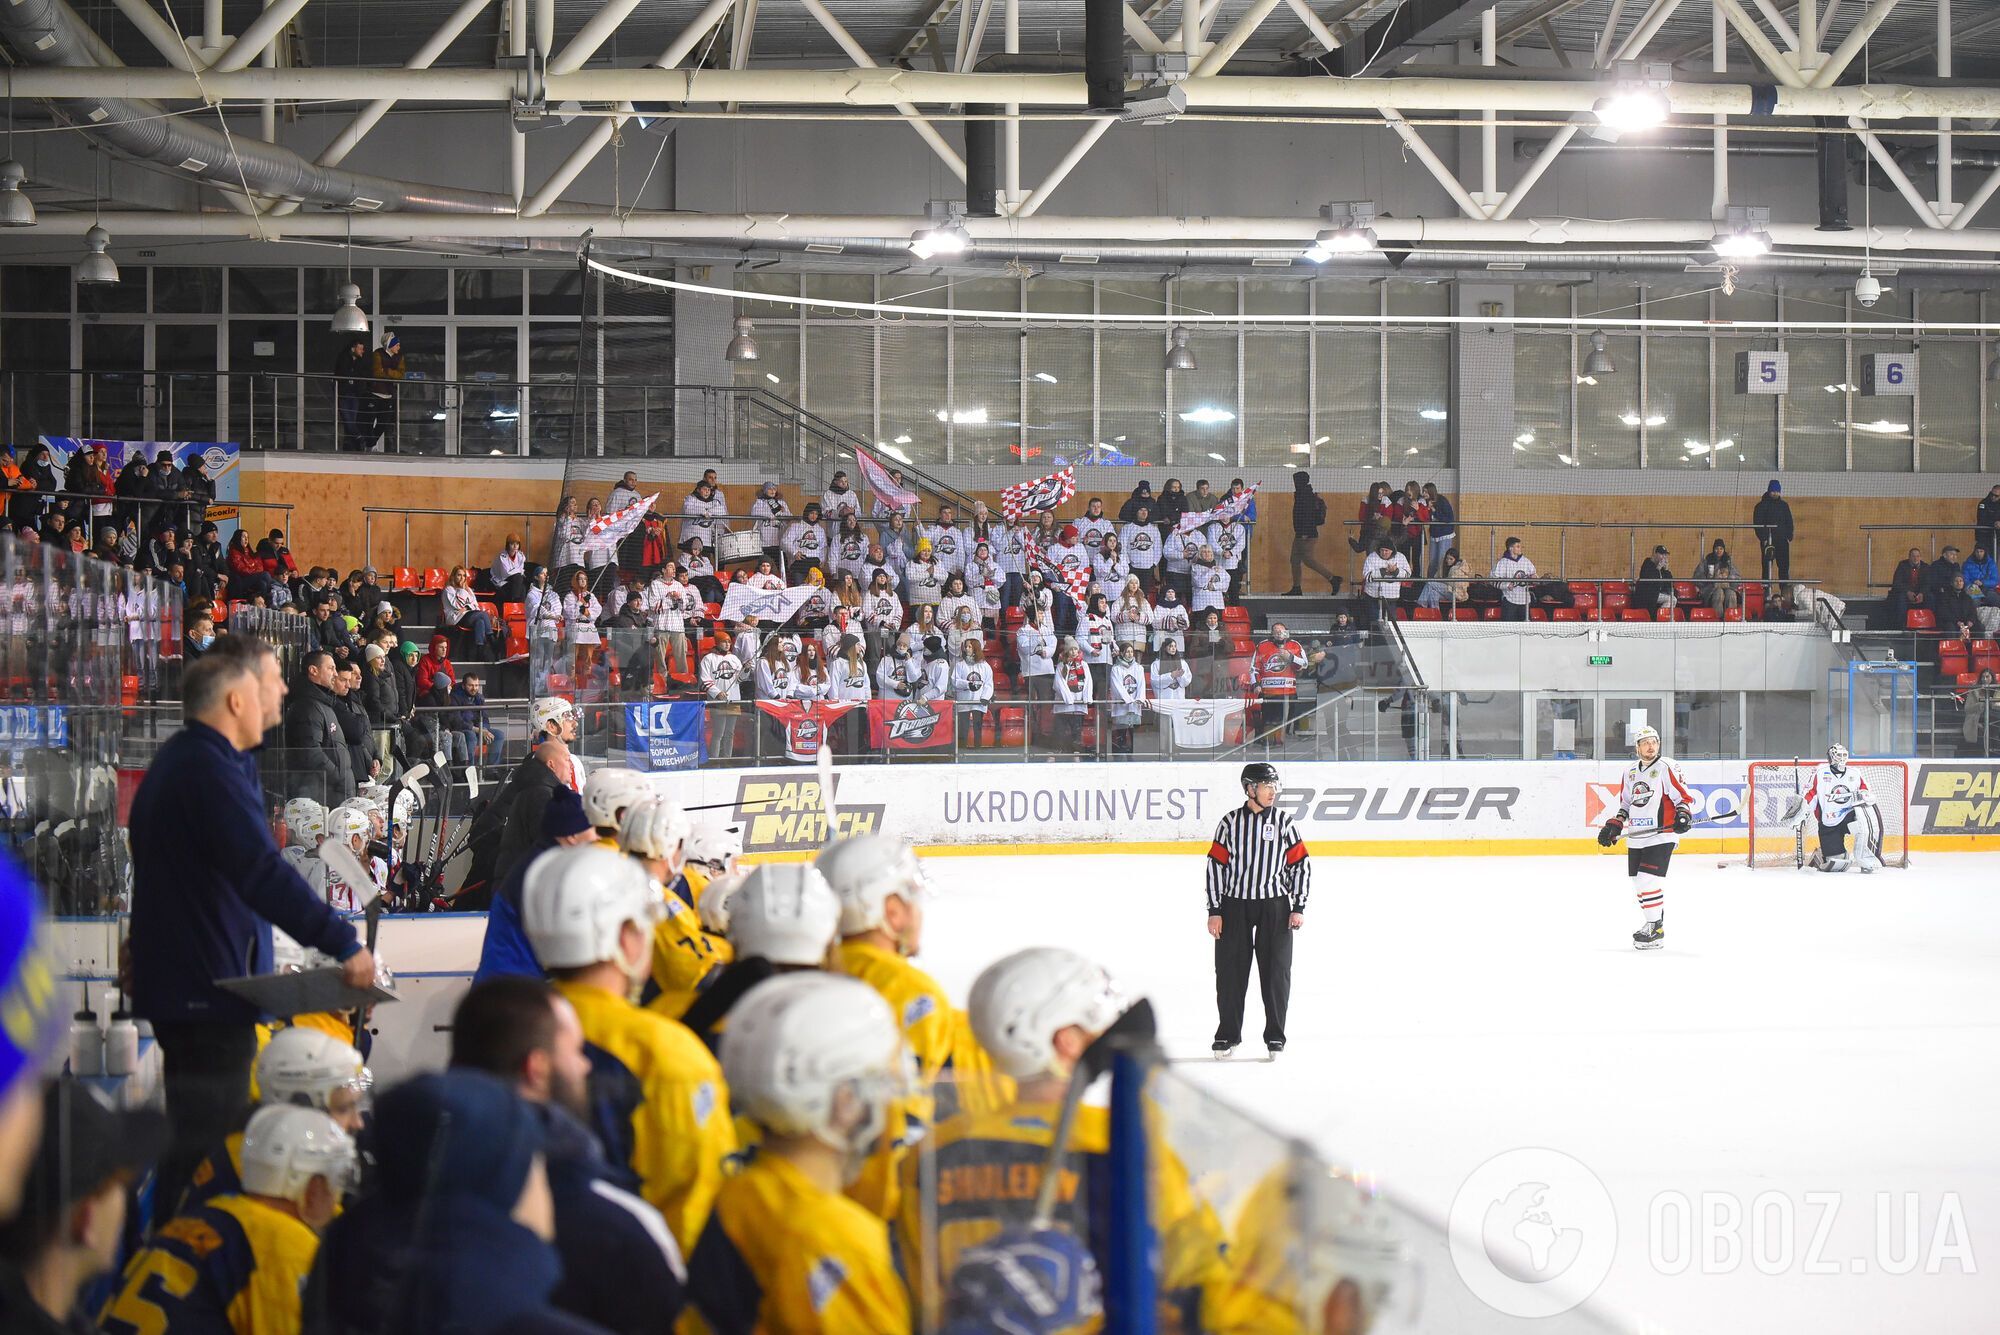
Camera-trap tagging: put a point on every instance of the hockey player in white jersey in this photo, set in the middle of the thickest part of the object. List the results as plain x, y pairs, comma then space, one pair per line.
1835, 797
1655, 808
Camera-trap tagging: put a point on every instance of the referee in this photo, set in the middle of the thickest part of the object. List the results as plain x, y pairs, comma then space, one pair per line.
1258, 879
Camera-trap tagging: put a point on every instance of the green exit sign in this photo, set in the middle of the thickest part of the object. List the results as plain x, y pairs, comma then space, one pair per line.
1600, 660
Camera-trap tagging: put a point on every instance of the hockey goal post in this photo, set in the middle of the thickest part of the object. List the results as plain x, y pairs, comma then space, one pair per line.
1775, 784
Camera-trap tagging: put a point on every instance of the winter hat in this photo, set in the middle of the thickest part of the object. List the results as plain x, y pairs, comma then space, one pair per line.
410, 650
923, 546
371, 652
1066, 534
454, 1133
1302, 478
933, 647
1775, 485
563, 816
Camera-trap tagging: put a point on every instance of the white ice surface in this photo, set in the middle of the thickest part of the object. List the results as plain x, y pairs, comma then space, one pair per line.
1800, 1033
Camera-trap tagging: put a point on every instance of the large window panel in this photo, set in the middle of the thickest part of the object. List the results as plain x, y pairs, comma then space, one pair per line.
1059, 392
1884, 424
266, 291
1133, 296
1676, 411
1608, 413
1541, 398
36, 289
777, 366
1348, 397
1746, 425
915, 396
1816, 405
1204, 400
1132, 391
984, 294
498, 292
1057, 295
839, 380
762, 281
1419, 394
1952, 375
1276, 392
404, 292
985, 400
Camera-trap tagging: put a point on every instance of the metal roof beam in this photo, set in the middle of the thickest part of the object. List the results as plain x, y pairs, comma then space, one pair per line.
1415, 23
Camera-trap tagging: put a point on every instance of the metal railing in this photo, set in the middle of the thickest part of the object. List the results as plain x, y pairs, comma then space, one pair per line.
1931, 544
1498, 530
146, 509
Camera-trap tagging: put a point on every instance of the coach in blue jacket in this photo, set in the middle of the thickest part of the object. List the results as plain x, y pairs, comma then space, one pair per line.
208, 884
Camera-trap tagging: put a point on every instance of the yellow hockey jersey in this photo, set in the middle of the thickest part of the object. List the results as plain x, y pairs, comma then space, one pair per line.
220, 1174
234, 1266
657, 1103
780, 1256
685, 958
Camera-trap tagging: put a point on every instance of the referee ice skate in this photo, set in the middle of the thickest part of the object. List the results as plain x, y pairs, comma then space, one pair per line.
1258, 880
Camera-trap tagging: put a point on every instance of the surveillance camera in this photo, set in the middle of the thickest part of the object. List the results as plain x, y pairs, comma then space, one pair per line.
1867, 290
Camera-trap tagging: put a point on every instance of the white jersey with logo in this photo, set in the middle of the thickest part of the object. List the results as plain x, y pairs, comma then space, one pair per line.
1831, 796
1649, 797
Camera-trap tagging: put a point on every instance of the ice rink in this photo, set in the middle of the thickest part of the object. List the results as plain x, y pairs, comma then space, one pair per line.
1803, 1043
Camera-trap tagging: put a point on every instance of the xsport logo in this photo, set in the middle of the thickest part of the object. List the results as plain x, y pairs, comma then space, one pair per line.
1959, 799
1714, 803
788, 815
913, 723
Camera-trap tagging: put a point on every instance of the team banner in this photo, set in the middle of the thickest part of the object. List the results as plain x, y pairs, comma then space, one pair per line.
1232, 507
771, 607
1203, 725
910, 725
1076, 583
620, 522
1043, 493
216, 460
662, 735
805, 723
885, 487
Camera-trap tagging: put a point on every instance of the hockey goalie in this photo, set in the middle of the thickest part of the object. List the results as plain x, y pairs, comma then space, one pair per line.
1840, 801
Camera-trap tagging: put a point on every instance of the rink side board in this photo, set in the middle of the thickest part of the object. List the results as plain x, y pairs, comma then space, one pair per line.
1372, 809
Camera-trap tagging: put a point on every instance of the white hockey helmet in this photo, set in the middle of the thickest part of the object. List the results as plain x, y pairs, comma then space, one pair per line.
548, 714
784, 913
403, 810
285, 1148
345, 822
654, 828
374, 794
312, 1069
608, 792
715, 846
1018, 1003
575, 902
797, 1041
287, 955
1836, 756
305, 820
1352, 1238
864, 870
1648, 733
712, 905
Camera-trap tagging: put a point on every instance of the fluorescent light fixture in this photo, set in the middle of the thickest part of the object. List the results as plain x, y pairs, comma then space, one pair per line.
1208, 415
1842, 388
1352, 231
1413, 450
1300, 447
1046, 378
503, 414
1518, 445
1724, 444
1586, 380
903, 439
1564, 458
895, 453
947, 238
1631, 109
1745, 234
1525, 438
1321, 441
1629, 419
1433, 414
1218, 458
439, 417
772, 376
1882, 426
1694, 447
962, 416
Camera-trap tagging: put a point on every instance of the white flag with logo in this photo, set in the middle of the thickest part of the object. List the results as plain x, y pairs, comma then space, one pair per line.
771, 607
1200, 725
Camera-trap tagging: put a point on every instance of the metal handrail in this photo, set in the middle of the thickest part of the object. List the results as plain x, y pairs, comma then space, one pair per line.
1868, 532
1563, 527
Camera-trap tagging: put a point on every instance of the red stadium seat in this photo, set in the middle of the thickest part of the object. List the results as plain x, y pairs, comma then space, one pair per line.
1951, 656
1013, 725
1426, 614
1236, 616
1615, 602
1614, 586
1565, 614
1986, 663
1492, 614
1241, 646
1984, 648
433, 580
1402, 614
128, 690
1704, 614
1587, 600
1753, 600
1012, 618
1672, 614
1732, 614
713, 611
1538, 614
1634, 614
406, 580
1465, 614
1920, 618
1968, 679
1685, 590
517, 644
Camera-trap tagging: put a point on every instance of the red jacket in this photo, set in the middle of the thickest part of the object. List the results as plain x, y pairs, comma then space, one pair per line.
1275, 669
1415, 517
430, 667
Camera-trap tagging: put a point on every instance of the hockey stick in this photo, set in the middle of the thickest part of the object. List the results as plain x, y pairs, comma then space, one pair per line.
1798, 831
823, 762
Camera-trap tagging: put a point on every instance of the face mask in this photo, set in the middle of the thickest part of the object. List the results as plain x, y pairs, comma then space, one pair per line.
203, 641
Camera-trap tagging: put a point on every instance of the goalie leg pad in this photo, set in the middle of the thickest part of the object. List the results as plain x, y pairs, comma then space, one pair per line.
1868, 839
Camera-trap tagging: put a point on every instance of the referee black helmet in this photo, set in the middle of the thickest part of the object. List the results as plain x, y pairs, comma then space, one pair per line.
1261, 772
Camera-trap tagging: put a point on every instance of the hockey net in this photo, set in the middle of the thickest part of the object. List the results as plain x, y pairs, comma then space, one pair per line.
1777, 785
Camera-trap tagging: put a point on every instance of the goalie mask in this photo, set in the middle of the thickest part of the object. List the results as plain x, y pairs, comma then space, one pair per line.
1836, 758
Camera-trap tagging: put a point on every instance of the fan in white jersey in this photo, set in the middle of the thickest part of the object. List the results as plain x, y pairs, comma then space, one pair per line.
1835, 797
1655, 808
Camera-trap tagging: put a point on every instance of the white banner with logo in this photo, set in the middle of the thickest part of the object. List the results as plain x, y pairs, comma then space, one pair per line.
771, 607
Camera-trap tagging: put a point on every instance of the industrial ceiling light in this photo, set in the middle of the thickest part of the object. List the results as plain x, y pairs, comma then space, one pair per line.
1745, 233
16, 209
348, 317
97, 267
742, 348
1180, 357
1598, 361
1352, 232
1638, 98
946, 234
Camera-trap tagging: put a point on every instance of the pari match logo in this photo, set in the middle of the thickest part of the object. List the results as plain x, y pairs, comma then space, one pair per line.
1958, 798
1716, 804
788, 815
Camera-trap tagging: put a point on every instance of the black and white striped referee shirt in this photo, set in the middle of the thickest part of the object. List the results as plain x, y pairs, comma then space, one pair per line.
1258, 855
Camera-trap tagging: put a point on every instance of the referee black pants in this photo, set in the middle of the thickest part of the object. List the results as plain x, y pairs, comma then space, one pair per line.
1259, 929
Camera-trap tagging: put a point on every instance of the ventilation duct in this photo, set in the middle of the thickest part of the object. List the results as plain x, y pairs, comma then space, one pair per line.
982, 161
1104, 53
1830, 152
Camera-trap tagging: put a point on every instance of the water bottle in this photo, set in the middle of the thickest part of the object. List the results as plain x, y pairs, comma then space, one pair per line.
86, 1044
121, 1044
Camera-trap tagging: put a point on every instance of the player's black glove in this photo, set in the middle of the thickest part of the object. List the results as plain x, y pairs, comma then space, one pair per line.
1612, 829
1683, 820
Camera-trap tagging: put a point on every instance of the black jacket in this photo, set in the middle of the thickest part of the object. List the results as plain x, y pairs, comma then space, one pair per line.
1128, 513
379, 696
1308, 510
1169, 508
1654, 579
208, 883
1773, 519
354, 730
533, 783
1938, 576
619, 1261
316, 754
1989, 512
1954, 606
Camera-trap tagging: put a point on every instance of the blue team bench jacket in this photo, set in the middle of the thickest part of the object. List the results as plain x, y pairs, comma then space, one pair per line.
208, 883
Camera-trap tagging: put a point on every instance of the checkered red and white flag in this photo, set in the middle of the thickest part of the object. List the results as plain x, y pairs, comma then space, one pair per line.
1043, 493
620, 522
1076, 583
